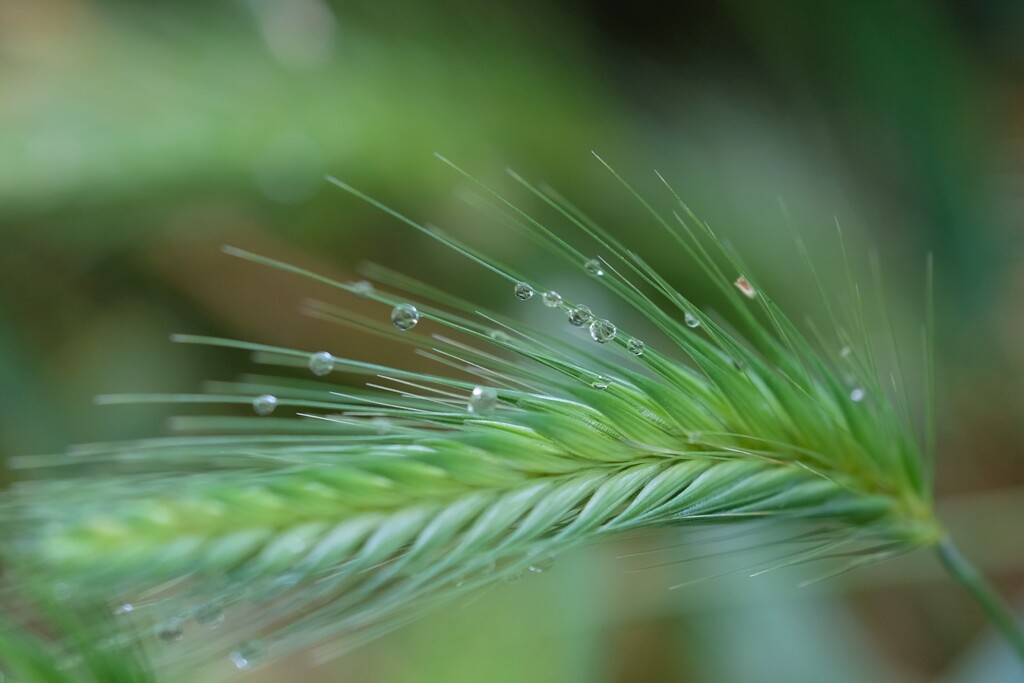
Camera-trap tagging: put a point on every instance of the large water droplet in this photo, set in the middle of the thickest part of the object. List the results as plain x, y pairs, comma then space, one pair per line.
483, 400
602, 331
691, 320
541, 565
264, 405
552, 299
321, 363
171, 631
247, 654
404, 317
210, 615
523, 291
857, 395
635, 347
594, 267
580, 315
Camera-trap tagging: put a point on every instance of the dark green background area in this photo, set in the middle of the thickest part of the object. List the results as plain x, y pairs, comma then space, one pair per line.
136, 138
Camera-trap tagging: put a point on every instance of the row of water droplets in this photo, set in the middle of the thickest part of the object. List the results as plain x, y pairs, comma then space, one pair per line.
320, 364
210, 616
483, 400
857, 393
580, 315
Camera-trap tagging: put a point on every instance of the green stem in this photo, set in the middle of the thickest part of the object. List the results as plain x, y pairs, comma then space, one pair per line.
986, 597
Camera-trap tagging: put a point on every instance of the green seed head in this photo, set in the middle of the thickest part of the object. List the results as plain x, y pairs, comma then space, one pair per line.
347, 510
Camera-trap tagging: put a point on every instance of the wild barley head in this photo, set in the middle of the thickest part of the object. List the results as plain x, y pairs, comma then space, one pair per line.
335, 510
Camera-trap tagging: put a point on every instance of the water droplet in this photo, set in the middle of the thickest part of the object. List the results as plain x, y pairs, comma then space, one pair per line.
404, 317
602, 331
483, 400
523, 291
247, 654
552, 299
691, 320
541, 565
635, 347
171, 631
601, 383
580, 315
693, 437
857, 395
845, 352
381, 425
476, 574
126, 608
321, 363
594, 267
500, 336
362, 289
264, 405
210, 615
745, 287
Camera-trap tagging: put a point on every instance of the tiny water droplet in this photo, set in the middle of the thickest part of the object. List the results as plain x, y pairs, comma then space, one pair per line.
362, 289
691, 320
500, 336
745, 287
693, 437
857, 395
523, 291
404, 317
478, 573
264, 404
381, 425
594, 267
541, 565
210, 615
247, 654
126, 608
635, 347
845, 352
602, 331
483, 400
171, 630
552, 299
321, 363
580, 315
601, 383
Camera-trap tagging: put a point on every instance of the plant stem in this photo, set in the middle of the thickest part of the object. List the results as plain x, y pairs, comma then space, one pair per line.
970, 578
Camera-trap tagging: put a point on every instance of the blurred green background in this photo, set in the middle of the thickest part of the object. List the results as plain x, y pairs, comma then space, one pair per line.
136, 138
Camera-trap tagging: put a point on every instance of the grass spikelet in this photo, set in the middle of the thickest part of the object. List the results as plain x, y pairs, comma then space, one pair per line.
341, 510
